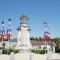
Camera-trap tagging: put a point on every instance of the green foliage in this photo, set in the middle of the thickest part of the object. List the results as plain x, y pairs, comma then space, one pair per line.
8, 51
36, 38
56, 40
39, 51
32, 38
40, 38
4, 51
15, 51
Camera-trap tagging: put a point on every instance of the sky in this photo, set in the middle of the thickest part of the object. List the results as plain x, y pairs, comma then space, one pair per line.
37, 11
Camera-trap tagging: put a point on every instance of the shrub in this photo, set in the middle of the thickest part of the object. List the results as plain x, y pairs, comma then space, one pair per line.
39, 51
15, 51
8, 51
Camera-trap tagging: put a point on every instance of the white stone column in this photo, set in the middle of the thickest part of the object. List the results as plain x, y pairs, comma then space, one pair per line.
28, 38
24, 34
19, 37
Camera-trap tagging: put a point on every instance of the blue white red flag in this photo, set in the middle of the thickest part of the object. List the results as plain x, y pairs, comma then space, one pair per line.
47, 35
9, 33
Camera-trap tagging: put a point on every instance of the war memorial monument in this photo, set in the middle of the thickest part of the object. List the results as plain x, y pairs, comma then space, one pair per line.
23, 37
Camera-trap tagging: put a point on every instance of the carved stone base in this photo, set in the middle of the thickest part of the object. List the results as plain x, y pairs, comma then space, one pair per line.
24, 48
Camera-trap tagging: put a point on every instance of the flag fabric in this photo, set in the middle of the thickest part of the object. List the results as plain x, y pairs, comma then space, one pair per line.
46, 25
2, 33
9, 22
9, 19
44, 22
46, 36
46, 33
3, 24
2, 30
9, 33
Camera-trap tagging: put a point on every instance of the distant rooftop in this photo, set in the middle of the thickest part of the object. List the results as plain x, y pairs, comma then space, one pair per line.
35, 42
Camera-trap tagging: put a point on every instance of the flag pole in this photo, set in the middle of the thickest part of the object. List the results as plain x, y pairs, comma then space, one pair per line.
46, 28
9, 32
44, 35
2, 32
45, 46
8, 45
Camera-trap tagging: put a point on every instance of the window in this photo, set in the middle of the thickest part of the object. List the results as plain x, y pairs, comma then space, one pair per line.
39, 47
44, 47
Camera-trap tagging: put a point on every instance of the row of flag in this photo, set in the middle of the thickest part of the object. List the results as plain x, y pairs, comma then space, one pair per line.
46, 33
8, 33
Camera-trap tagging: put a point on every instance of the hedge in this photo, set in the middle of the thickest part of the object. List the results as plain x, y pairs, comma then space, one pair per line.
39, 51
8, 51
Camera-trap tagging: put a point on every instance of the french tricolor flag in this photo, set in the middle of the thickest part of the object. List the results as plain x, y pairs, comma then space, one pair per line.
46, 36
9, 32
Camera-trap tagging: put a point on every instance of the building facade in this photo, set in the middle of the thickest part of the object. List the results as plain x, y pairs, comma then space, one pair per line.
36, 45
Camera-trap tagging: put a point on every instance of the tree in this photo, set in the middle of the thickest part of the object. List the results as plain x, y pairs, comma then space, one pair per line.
40, 39
56, 40
36, 38
32, 38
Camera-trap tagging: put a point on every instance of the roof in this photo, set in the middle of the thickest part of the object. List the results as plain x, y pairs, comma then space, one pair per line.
13, 40
38, 42
3, 40
34, 42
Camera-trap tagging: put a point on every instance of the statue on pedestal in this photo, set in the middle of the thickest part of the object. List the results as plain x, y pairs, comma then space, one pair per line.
23, 38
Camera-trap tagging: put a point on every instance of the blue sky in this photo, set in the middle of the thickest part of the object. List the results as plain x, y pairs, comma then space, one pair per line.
38, 11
